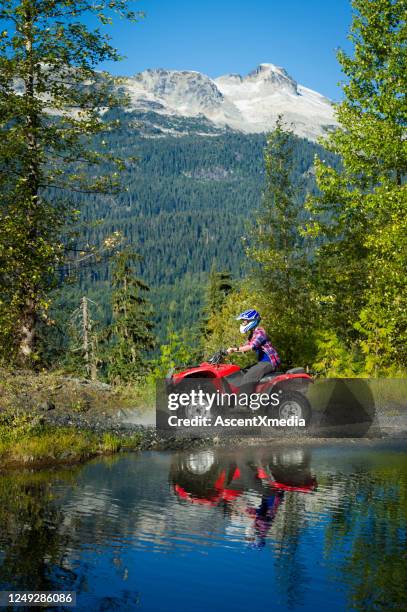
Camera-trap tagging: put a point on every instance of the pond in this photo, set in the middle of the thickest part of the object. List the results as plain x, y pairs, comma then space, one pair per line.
282, 527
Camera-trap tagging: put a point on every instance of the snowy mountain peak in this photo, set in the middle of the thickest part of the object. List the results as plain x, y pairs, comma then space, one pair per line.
268, 71
265, 80
266, 66
251, 103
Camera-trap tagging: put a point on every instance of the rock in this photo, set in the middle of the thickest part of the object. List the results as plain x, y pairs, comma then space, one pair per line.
46, 406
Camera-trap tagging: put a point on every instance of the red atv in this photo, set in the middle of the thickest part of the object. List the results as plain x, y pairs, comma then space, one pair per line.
213, 375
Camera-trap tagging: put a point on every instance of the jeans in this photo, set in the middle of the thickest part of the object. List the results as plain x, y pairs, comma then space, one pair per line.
254, 374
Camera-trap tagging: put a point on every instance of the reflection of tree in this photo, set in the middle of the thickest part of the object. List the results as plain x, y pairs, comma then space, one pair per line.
292, 468
290, 571
32, 547
373, 512
36, 545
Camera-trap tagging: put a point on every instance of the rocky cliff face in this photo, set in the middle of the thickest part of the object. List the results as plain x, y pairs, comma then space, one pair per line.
251, 103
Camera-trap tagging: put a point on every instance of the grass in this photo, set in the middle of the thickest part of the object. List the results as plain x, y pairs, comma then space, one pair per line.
26, 442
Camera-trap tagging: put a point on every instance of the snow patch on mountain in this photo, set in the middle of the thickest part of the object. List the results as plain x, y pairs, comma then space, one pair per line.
250, 104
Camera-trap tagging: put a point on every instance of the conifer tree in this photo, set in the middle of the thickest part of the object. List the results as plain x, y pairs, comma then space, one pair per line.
130, 335
81, 356
280, 252
219, 286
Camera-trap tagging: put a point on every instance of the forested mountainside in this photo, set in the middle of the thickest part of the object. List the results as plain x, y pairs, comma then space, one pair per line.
186, 204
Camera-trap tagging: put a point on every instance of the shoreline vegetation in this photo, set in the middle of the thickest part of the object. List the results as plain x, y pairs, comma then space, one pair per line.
44, 446
50, 419
39, 419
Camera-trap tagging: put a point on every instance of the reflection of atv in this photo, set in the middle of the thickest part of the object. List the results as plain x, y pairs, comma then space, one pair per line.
214, 375
289, 470
200, 477
210, 477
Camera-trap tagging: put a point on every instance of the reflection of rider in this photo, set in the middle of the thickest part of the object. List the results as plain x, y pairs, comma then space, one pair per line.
249, 491
264, 516
267, 356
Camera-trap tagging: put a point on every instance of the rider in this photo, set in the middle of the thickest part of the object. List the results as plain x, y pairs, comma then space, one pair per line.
267, 356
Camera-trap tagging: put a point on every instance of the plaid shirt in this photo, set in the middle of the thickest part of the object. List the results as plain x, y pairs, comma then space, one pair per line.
260, 342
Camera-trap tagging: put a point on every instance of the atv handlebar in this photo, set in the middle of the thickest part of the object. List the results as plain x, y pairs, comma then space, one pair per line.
218, 356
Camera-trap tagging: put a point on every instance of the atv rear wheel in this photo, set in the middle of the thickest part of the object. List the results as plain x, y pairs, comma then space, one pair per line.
294, 404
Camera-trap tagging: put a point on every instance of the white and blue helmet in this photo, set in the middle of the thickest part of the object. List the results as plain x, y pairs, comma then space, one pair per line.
251, 320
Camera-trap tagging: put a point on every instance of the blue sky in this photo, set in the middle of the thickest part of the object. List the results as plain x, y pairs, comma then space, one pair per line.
222, 36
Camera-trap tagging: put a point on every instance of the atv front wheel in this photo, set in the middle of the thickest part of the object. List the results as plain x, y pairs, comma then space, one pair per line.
200, 408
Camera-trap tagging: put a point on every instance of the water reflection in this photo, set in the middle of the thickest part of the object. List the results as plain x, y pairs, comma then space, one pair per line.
248, 486
32, 547
298, 526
